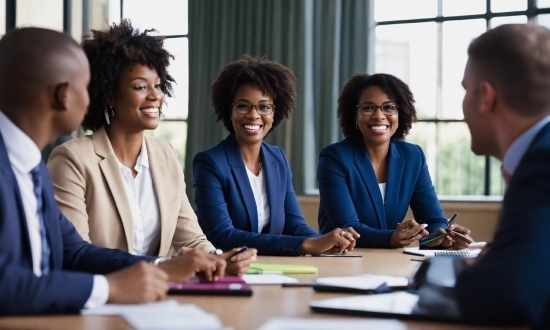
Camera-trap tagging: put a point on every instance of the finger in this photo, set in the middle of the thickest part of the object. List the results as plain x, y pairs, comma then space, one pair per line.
353, 232
184, 250
462, 230
244, 255
219, 270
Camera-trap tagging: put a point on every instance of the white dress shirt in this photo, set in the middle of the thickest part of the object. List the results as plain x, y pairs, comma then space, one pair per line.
382, 187
143, 204
260, 197
24, 155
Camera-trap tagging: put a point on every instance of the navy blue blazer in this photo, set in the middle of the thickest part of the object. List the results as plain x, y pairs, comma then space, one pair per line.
225, 203
68, 285
350, 195
511, 283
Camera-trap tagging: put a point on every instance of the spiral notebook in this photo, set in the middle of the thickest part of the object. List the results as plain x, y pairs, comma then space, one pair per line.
473, 250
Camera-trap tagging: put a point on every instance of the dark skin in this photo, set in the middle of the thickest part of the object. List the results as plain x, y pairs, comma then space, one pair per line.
43, 91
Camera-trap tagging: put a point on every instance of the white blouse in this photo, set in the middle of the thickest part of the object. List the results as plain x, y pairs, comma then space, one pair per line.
259, 189
382, 187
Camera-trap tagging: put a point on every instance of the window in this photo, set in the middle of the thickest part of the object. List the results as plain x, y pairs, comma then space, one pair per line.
424, 43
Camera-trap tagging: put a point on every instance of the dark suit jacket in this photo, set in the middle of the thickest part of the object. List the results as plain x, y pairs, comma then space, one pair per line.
511, 283
226, 207
350, 196
68, 285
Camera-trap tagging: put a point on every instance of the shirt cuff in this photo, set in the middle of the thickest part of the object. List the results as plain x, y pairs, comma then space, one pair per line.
100, 293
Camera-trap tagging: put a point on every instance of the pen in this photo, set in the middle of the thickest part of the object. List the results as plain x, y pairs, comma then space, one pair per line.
424, 225
426, 241
241, 250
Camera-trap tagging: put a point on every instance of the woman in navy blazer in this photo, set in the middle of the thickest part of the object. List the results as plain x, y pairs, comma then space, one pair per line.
368, 180
243, 186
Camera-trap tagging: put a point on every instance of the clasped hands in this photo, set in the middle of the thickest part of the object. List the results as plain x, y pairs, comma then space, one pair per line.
336, 241
409, 231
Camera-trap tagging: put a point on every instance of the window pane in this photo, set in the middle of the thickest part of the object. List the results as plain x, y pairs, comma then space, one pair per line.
463, 7
543, 3
497, 182
174, 132
454, 169
389, 10
499, 6
544, 20
169, 17
76, 19
98, 14
409, 52
507, 20
2, 17
177, 106
39, 13
457, 36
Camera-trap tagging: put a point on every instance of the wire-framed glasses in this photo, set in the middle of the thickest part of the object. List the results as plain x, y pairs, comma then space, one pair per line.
369, 108
263, 109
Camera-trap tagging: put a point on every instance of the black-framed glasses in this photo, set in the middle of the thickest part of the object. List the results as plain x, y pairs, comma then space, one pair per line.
263, 109
369, 108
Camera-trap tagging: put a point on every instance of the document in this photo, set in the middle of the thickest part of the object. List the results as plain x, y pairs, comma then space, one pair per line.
473, 250
366, 282
281, 323
268, 279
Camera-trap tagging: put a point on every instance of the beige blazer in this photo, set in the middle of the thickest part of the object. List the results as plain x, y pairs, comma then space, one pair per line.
91, 194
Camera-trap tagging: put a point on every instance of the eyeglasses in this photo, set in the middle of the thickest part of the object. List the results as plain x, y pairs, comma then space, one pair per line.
368, 108
263, 109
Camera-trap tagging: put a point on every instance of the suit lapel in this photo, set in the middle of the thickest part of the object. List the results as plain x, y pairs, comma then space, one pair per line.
238, 170
273, 182
393, 184
157, 166
111, 172
364, 166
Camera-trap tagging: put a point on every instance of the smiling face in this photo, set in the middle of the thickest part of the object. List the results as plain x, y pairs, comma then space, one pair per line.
138, 101
251, 128
377, 128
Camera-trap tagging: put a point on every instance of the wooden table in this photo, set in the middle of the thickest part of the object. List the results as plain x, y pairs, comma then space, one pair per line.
268, 301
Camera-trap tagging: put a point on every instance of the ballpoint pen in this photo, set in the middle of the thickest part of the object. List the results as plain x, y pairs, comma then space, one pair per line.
428, 240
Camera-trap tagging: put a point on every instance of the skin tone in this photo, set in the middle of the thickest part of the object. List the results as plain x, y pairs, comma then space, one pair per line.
377, 130
250, 131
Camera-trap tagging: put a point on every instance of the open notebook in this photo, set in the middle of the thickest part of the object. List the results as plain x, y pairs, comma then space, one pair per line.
473, 250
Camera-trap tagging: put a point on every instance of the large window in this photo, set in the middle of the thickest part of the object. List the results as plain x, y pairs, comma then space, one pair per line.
424, 42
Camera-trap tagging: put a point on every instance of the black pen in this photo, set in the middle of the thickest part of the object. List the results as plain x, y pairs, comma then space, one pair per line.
428, 240
241, 250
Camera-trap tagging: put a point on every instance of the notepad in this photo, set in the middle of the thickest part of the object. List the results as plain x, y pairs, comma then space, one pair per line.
473, 250
367, 283
257, 268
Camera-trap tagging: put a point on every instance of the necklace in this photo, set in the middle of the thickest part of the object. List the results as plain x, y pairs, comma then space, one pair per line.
260, 163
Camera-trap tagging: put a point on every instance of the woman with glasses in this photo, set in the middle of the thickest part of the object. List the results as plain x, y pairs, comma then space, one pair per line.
120, 188
368, 180
243, 186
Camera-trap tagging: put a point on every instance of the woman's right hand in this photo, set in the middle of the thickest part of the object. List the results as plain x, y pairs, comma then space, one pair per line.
337, 241
407, 232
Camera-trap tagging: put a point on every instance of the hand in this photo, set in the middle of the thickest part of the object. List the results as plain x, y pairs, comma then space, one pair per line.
192, 262
461, 241
336, 241
402, 234
238, 264
138, 283
445, 241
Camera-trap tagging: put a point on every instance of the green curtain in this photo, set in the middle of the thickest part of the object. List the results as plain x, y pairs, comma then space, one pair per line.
323, 41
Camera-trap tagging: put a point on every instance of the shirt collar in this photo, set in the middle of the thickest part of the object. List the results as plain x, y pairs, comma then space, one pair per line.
23, 153
143, 158
515, 153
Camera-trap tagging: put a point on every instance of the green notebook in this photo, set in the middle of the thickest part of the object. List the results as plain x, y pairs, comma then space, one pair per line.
257, 268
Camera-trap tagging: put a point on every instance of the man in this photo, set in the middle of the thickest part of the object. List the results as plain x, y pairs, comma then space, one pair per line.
45, 266
507, 108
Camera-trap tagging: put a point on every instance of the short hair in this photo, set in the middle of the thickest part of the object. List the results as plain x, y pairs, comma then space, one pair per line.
396, 90
109, 52
272, 78
516, 59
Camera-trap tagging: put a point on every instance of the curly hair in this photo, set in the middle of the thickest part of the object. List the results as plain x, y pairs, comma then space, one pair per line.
272, 78
396, 90
109, 52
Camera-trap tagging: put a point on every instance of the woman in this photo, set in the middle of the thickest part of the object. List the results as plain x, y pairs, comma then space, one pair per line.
368, 180
118, 187
243, 186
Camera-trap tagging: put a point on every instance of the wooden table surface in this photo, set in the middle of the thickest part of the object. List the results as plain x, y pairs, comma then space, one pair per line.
243, 313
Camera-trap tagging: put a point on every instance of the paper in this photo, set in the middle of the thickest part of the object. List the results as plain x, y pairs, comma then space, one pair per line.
167, 314
257, 268
340, 255
268, 279
395, 302
469, 252
363, 282
281, 323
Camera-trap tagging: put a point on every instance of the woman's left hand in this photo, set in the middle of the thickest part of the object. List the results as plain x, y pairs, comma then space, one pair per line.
458, 241
239, 264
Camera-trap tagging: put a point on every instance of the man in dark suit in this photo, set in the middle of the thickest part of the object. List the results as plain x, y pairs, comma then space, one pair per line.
507, 108
45, 266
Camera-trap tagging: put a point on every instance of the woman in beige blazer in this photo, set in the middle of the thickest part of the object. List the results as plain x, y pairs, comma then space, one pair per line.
118, 187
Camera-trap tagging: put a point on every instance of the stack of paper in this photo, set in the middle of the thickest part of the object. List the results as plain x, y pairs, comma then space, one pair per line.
281, 323
167, 314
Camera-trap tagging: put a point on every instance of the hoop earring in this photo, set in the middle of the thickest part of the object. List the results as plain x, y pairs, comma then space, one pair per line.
356, 126
107, 114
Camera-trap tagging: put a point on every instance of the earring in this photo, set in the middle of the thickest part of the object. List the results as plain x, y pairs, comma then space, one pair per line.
356, 126
107, 114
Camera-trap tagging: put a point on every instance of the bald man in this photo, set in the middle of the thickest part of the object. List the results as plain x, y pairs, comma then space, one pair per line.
507, 108
45, 266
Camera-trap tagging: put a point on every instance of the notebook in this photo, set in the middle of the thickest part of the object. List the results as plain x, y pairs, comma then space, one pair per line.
198, 285
367, 283
473, 250
257, 268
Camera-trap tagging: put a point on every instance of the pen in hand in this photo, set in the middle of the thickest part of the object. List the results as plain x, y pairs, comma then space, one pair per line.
424, 225
429, 240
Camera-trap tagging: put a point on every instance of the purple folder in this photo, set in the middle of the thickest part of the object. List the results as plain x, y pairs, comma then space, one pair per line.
198, 285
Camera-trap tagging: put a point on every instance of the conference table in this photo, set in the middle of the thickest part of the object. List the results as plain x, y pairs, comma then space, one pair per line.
268, 301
